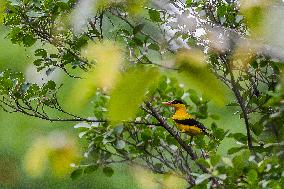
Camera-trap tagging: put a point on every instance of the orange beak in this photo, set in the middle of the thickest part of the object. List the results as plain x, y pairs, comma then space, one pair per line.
167, 103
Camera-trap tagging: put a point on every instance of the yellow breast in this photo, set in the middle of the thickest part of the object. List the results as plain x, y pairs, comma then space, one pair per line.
182, 114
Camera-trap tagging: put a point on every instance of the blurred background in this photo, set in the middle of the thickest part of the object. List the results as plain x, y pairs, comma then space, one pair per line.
36, 153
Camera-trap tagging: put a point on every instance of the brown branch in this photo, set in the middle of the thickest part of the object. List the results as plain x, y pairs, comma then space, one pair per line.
26, 109
239, 100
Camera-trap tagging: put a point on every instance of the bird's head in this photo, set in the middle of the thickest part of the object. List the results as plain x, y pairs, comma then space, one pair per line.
174, 103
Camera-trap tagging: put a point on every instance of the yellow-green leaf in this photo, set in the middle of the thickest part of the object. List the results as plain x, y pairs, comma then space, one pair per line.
2, 9
108, 57
254, 12
130, 92
196, 75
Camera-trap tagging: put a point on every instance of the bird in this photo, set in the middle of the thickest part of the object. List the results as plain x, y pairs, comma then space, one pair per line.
186, 122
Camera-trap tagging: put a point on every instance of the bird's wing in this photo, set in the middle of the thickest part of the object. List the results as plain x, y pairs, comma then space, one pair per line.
191, 122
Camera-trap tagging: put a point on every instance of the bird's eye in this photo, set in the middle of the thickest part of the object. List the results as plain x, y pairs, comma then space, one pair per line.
174, 102
177, 102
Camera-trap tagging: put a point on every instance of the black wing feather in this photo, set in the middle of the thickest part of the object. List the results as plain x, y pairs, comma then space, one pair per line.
191, 122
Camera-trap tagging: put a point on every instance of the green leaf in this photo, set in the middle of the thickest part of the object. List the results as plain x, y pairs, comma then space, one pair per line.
90, 169
239, 137
219, 133
16, 35
240, 160
214, 159
53, 56
252, 177
138, 28
130, 92
158, 166
202, 178
29, 40
257, 128
227, 161
41, 52
154, 46
171, 140
154, 15
49, 85
76, 173
222, 10
38, 62
194, 97
235, 149
214, 116
108, 171
188, 3
254, 16
15, 2
195, 74
233, 104
203, 162
146, 134
200, 142
191, 42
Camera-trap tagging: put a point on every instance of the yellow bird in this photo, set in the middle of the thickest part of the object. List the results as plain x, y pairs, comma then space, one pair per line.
186, 122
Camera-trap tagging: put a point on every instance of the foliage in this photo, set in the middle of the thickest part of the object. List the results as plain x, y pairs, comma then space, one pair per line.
170, 50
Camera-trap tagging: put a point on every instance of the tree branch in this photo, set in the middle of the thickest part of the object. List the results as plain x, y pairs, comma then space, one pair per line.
174, 134
240, 101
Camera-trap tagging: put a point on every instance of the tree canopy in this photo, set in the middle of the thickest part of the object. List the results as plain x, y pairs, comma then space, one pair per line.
126, 57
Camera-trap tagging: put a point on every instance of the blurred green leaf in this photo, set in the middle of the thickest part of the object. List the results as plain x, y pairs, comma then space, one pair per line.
138, 28
130, 92
188, 3
202, 178
154, 46
41, 52
219, 133
215, 159
29, 40
235, 149
146, 134
203, 162
194, 97
214, 116
108, 171
233, 104
90, 169
257, 128
239, 161
239, 137
195, 74
76, 173
120, 144
252, 177
254, 13
154, 15
2, 9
